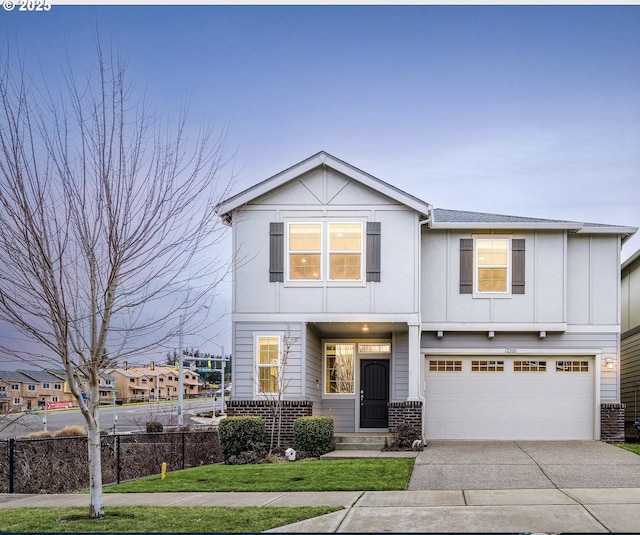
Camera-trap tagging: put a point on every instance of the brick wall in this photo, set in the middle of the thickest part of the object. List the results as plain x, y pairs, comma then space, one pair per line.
409, 412
612, 422
291, 411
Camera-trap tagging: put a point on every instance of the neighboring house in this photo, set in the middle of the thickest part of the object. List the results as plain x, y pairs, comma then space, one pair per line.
131, 384
387, 310
630, 341
18, 391
50, 387
153, 383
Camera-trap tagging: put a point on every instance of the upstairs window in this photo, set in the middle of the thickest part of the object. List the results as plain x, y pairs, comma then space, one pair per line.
345, 251
305, 251
492, 265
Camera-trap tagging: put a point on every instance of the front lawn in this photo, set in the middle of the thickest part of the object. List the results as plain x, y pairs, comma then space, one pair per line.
635, 448
149, 519
307, 475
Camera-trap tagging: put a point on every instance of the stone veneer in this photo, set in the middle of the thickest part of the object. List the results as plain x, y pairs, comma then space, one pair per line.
291, 411
612, 422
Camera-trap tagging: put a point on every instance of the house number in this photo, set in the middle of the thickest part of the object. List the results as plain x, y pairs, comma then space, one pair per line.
511, 350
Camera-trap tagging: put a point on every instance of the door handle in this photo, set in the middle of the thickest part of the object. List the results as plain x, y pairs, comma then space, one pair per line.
361, 396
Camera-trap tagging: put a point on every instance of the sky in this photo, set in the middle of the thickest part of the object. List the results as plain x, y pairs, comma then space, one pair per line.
510, 109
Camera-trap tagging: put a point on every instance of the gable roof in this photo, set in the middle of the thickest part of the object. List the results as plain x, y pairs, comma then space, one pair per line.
15, 377
321, 159
41, 376
452, 219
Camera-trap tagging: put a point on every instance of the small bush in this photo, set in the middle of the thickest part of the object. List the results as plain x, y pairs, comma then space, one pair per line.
255, 454
36, 434
404, 436
154, 426
313, 435
240, 434
70, 431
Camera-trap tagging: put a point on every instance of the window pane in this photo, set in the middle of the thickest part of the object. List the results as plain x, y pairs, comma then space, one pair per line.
345, 266
345, 236
339, 368
268, 350
305, 266
268, 379
492, 280
304, 237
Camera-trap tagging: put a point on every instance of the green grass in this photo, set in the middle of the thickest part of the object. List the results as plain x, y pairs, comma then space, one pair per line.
309, 475
635, 448
155, 519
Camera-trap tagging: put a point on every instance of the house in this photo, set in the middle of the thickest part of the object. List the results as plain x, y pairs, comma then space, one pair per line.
49, 389
131, 384
365, 303
630, 341
18, 392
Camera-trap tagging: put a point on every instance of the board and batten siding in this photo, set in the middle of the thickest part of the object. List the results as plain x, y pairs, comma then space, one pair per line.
583, 343
540, 292
630, 373
244, 359
400, 367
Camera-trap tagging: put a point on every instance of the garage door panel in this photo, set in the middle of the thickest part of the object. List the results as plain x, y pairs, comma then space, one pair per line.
535, 405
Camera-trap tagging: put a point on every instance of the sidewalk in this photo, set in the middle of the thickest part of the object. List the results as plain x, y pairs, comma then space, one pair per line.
445, 511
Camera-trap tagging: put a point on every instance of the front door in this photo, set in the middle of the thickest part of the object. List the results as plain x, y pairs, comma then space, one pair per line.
374, 393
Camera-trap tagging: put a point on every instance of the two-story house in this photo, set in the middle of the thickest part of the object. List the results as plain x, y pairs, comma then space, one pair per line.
365, 303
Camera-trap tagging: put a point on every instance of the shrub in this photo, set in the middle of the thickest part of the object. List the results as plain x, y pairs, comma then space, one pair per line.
313, 435
70, 431
240, 434
36, 434
404, 436
154, 426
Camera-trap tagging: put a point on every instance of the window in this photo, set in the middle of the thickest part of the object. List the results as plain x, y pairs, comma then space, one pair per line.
31, 388
305, 251
445, 365
530, 366
487, 365
339, 368
311, 255
384, 347
345, 251
46, 386
57, 386
15, 387
3, 388
55, 399
17, 401
132, 380
268, 348
572, 366
492, 265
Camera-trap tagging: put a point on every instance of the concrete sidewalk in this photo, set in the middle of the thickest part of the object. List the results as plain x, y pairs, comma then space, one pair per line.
445, 511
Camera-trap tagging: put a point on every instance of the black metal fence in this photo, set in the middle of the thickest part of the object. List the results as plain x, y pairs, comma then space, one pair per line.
60, 465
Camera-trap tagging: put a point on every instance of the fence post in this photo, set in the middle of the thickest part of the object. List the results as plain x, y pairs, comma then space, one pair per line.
183, 433
12, 454
117, 439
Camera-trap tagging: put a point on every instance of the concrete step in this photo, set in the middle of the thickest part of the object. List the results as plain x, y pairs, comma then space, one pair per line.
362, 441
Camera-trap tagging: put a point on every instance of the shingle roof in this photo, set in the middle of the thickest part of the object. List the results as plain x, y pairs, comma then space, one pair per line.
41, 376
15, 377
458, 216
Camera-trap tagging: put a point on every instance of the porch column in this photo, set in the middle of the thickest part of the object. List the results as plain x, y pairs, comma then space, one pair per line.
415, 376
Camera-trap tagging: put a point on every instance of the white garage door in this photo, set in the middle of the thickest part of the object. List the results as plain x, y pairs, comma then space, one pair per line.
549, 398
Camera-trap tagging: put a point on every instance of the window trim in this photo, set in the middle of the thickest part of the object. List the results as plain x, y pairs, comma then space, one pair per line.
477, 294
338, 395
256, 359
325, 254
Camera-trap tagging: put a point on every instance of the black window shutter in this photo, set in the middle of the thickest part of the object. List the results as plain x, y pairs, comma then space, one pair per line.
466, 266
517, 270
373, 251
276, 252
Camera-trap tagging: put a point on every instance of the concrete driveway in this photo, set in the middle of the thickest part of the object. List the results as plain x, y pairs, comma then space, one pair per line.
484, 465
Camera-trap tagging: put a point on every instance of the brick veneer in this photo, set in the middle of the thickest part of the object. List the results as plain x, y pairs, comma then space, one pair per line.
407, 412
291, 411
612, 422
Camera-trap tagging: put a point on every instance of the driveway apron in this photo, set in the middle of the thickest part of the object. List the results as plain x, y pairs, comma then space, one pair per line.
486, 465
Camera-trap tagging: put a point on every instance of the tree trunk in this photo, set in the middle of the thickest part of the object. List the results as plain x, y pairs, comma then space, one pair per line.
96, 502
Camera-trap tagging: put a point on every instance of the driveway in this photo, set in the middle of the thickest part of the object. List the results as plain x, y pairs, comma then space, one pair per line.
486, 465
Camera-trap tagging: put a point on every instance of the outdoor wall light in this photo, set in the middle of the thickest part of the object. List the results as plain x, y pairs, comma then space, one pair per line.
608, 364
491, 335
439, 335
365, 327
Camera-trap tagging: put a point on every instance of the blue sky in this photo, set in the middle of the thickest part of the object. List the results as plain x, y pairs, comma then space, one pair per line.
523, 110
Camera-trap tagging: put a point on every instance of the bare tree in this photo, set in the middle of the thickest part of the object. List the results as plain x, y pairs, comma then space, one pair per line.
106, 214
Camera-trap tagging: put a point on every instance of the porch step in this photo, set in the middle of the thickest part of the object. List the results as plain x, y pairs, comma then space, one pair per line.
362, 441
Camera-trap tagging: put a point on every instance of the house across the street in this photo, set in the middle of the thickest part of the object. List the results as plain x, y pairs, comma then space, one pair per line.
362, 302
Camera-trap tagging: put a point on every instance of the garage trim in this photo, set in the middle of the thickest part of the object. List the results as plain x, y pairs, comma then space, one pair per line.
511, 352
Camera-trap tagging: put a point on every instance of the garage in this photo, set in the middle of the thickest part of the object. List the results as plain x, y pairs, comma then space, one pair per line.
509, 398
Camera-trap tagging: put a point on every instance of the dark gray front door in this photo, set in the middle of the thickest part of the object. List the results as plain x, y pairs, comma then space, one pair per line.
374, 393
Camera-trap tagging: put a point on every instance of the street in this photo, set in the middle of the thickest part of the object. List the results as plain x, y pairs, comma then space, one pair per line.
132, 417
